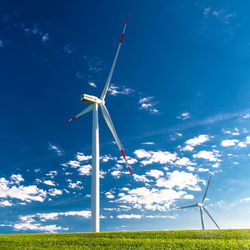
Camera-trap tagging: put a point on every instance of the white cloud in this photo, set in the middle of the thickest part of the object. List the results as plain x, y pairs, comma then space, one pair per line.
203, 170
190, 168
188, 148
160, 217
38, 227
234, 132
14, 190
129, 216
161, 157
92, 84
49, 182
54, 192
72, 164
107, 158
184, 162
81, 157
45, 37
16, 178
146, 103
141, 153
207, 155
52, 174
229, 143
242, 144
109, 195
140, 178
75, 185
188, 197
148, 143
130, 160
245, 199
154, 173
56, 149
181, 180
33, 222
198, 140
184, 116
116, 174
150, 199
117, 90
5, 204
85, 169
245, 143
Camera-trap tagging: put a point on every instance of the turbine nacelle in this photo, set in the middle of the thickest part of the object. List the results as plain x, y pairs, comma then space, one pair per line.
199, 204
90, 99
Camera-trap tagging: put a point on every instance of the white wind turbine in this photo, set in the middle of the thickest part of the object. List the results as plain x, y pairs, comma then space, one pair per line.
95, 102
201, 206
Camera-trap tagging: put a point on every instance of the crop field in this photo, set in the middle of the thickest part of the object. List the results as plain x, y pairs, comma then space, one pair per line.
195, 239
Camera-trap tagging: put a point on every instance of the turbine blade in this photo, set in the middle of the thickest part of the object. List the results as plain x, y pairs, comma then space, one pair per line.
114, 63
112, 129
195, 205
211, 217
204, 196
88, 109
202, 222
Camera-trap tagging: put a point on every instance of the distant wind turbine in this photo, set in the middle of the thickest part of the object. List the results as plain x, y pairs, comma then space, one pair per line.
201, 206
95, 102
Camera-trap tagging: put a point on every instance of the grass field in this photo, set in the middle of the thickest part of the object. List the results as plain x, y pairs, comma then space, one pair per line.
196, 239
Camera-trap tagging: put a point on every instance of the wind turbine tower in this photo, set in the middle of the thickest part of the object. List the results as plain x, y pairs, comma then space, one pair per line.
94, 103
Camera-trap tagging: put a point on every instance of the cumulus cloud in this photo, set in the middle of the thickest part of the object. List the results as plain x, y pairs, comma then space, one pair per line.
12, 189
109, 195
147, 103
49, 182
54, 192
140, 178
107, 158
85, 169
180, 180
229, 143
184, 161
81, 157
207, 155
154, 173
244, 144
5, 204
129, 216
203, 170
150, 199
75, 185
198, 140
119, 90
33, 221
161, 157
188, 148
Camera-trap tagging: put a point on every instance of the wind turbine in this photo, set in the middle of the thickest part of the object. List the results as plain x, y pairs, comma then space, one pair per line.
201, 206
95, 102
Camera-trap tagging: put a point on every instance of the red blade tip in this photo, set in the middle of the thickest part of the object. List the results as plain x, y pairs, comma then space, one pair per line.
129, 171
127, 19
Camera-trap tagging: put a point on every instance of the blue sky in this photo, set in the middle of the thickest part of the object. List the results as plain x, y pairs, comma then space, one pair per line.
179, 99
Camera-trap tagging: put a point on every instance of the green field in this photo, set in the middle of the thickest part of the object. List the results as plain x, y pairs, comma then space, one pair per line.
195, 239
